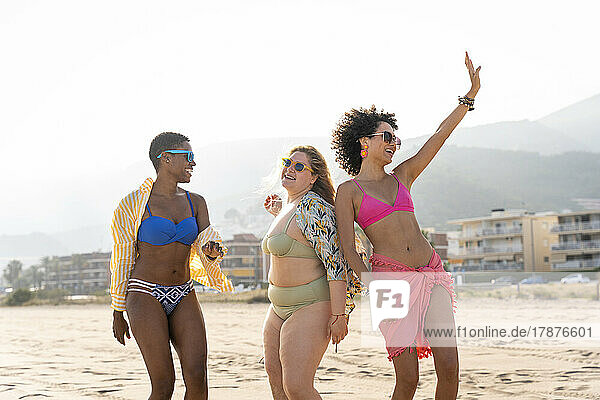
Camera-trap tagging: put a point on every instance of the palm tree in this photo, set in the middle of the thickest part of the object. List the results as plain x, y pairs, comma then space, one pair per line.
12, 272
36, 276
45, 265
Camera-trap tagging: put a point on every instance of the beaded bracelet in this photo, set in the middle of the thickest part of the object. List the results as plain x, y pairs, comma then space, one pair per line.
467, 101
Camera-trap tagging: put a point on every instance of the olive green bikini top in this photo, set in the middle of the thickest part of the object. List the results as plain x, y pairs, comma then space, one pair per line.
283, 245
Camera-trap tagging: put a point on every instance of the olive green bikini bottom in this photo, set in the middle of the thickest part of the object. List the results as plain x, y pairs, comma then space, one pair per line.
286, 300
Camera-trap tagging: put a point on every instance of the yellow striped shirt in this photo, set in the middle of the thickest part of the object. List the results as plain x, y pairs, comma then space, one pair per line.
125, 224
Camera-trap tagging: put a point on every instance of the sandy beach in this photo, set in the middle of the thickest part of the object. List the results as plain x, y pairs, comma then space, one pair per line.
68, 352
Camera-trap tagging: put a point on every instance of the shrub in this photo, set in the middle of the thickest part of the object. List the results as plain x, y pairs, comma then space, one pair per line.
19, 297
52, 294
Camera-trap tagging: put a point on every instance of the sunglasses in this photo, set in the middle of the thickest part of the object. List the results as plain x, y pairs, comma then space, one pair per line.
388, 137
298, 166
190, 154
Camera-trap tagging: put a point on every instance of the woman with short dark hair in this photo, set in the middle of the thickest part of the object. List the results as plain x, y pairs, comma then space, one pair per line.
162, 241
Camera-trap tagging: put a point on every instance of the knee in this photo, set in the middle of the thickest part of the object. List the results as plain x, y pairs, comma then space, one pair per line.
295, 387
195, 373
447, 369
162, 389
408, 380
272, 367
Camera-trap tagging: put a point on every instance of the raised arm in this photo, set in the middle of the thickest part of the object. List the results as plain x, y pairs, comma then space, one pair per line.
410, 169
344, 211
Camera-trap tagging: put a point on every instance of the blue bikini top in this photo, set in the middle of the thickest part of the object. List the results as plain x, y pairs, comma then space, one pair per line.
159, 231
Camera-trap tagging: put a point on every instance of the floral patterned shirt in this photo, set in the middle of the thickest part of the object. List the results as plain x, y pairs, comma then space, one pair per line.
316, 219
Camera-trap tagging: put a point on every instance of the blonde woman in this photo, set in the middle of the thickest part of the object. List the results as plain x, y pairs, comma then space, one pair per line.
309, 280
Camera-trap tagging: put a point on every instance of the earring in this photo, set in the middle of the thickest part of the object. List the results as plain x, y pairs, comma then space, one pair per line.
364, 151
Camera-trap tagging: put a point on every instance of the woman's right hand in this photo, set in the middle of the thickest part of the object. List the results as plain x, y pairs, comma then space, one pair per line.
337, 328
273, 204
473, 75
120, 327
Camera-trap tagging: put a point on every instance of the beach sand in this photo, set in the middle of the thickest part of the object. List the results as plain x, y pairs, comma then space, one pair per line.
68, 352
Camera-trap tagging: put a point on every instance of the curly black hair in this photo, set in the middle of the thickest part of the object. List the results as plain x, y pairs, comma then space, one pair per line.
164, 141
351, 127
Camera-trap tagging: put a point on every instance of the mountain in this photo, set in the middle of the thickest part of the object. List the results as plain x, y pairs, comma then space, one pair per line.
537, 165
574, 128
516, 135
462, 183
30, 245
580, 121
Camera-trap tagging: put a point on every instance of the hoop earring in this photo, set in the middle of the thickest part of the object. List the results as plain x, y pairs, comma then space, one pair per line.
364, 151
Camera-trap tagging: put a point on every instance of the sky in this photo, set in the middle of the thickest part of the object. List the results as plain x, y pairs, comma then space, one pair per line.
86, 85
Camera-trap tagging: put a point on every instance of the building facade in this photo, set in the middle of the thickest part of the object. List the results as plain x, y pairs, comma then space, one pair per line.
505, 240
244, 261
578, 245
79, 273
439, 241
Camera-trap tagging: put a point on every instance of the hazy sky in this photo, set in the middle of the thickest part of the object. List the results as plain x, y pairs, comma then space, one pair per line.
86, 85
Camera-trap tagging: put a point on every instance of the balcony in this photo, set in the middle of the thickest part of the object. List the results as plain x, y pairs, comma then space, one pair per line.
493, 232
578, 264
577, 227
473, 251
493, 267
578, 245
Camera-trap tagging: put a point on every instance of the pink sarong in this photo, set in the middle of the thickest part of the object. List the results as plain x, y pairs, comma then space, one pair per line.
409, 330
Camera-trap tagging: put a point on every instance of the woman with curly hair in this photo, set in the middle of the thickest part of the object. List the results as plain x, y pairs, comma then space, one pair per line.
163, 240
381, 204
310, 284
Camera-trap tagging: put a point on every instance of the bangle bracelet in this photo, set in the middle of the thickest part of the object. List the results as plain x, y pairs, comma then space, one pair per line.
467, 101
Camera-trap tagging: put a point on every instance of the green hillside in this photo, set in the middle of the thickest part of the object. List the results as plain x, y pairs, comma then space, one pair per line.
468, 182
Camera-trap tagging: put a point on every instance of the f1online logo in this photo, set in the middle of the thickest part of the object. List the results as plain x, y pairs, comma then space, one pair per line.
389, 300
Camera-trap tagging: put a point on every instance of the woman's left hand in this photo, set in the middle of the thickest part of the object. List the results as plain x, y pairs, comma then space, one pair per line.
337, 328
212, 249
473, 75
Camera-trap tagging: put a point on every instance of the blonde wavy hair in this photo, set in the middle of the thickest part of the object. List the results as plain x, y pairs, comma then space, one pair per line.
323, 186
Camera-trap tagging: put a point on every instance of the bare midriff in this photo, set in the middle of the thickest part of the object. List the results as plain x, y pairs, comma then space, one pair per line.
292, 271
166, 264
398, 236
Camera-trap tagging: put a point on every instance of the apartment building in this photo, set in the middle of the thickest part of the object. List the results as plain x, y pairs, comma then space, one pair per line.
439, 240
504, 240
578, 245
244, 261
78, 273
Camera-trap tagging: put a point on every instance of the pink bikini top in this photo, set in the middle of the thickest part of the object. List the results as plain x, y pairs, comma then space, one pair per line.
372, 209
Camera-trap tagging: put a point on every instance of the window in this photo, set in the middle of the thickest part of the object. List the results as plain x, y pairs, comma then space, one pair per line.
545, 243
546, 259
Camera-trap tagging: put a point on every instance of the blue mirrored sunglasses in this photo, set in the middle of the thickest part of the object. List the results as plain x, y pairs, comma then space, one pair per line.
190, 154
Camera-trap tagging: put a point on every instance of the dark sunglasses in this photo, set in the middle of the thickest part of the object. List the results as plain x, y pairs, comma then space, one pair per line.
190, 154
298, 166
388, 137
